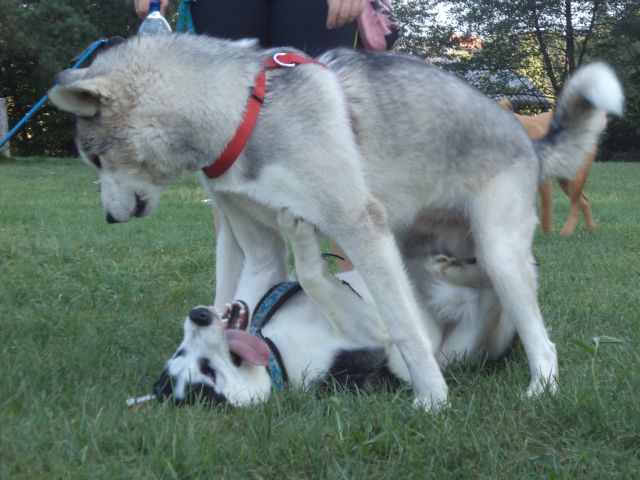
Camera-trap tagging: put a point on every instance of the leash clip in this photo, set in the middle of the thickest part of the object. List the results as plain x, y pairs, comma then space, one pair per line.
280, 62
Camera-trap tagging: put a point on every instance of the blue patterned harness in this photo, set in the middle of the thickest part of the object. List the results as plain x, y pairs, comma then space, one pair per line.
267, 306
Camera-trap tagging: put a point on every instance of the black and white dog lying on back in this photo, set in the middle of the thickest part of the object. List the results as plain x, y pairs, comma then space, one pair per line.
328, 328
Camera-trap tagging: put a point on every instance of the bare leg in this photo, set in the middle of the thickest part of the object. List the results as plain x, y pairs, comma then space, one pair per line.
343, 265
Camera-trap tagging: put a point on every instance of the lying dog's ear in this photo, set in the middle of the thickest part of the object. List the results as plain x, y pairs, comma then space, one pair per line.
81, 97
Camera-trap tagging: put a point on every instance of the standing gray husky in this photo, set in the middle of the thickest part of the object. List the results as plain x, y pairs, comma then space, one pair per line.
336, 146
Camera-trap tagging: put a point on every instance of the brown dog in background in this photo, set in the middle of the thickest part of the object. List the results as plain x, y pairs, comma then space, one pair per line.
536, 126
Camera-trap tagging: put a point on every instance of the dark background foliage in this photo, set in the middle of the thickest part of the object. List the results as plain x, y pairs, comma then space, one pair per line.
37, 40
510, 48
530, 47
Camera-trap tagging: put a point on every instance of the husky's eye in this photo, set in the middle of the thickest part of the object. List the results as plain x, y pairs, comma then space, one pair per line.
95, 159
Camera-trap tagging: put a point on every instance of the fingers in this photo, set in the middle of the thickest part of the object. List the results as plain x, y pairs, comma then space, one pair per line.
164, 4
342, 12
142, 7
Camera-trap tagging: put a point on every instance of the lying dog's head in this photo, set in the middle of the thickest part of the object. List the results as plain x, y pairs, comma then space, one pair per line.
217, 362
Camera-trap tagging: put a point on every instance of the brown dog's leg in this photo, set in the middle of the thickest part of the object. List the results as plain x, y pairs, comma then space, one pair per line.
580, 204
546, 204
579, 201
574, 213
585, 206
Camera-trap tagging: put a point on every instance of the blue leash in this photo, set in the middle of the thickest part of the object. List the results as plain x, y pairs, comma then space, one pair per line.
185, 22
92, 48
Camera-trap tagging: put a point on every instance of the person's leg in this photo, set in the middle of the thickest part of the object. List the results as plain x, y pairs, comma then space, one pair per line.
302, 25
232, 19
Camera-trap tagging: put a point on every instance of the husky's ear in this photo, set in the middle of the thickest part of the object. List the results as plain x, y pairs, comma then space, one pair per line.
81, 97
70, 75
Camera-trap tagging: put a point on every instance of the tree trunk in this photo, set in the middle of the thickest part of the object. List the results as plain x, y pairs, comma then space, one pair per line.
4, 126
571, 37
546, 58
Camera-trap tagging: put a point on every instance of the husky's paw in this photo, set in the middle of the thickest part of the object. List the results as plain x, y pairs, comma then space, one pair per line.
542, 386
294, 227
543, 383
430, 404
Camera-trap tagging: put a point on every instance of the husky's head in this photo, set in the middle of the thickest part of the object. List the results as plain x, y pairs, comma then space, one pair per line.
217, 362
148, 108
121, 138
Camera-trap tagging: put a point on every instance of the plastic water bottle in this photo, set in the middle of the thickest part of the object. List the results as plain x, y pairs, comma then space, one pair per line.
154, 24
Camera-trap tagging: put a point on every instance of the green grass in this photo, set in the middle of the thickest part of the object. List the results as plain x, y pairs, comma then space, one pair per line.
89, 313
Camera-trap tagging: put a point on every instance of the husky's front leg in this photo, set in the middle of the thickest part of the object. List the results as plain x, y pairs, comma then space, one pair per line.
362, 231
264, 253
229, 260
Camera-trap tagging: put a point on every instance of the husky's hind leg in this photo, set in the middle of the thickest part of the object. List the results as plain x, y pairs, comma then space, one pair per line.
503, 232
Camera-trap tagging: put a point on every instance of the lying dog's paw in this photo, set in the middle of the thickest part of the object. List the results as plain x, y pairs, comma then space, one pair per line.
294, 226
458, 272
437, 265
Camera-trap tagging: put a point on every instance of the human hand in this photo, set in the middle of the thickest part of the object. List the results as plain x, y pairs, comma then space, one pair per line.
142, 7
342, 12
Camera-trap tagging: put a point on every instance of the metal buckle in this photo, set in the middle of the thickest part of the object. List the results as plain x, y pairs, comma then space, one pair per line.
282, 64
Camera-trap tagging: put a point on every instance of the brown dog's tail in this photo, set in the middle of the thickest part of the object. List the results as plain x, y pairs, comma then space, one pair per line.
579, 118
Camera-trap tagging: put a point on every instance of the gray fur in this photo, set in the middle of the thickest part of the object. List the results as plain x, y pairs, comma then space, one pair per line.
362, 149
330, 331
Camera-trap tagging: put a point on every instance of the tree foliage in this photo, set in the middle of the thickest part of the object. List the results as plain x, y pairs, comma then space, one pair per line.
37, 40
541, 40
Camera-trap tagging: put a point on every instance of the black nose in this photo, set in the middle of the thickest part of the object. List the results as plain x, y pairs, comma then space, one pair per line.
110, 218
201, 316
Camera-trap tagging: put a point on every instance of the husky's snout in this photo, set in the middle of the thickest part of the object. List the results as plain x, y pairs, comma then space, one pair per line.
140, 210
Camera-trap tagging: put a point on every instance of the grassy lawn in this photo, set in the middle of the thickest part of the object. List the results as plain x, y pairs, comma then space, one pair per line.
89, 313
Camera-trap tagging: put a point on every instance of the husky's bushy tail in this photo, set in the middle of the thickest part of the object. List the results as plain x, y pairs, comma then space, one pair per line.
579, 117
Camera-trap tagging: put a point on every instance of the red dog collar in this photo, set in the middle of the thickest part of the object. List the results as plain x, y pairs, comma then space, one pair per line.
256, 99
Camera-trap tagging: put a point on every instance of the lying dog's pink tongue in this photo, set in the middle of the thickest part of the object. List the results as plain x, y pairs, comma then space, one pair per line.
248, 347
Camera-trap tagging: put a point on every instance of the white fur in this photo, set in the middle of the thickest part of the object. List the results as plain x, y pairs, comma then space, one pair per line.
328, 317
361, 162
600, 86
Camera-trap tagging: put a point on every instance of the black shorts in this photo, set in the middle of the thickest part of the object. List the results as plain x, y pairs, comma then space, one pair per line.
275, 23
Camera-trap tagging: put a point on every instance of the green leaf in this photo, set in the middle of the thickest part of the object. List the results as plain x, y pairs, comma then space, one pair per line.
605, 339
584, 346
